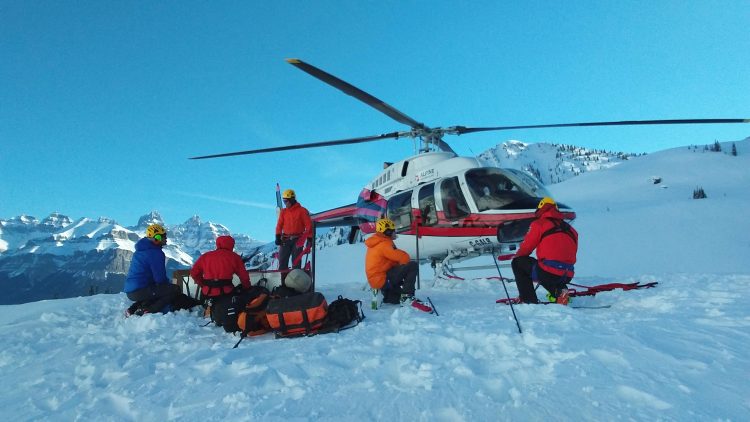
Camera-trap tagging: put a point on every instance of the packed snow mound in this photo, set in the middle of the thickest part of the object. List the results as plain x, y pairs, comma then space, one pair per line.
81, 359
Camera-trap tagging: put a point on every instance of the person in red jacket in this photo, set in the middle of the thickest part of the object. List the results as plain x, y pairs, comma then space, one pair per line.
389, 269
556, 244
293, 229
213, 270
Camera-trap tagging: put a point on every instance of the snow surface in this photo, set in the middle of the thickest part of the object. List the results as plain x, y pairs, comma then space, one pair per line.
676, 352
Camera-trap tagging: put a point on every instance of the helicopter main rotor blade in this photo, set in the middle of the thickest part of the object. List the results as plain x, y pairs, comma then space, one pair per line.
460, 130
310, 145
357, 93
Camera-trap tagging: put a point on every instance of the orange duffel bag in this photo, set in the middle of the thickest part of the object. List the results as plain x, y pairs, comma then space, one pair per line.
300, 315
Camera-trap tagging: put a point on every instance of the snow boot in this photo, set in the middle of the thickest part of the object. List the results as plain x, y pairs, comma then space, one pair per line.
563, 297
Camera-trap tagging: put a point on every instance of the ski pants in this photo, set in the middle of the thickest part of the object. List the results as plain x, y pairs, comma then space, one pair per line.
401, 279
155, 297
288, 248
522, 269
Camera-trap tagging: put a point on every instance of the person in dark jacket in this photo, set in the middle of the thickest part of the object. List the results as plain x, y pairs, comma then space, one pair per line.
293, 229
147, 284
556, 244
213, 270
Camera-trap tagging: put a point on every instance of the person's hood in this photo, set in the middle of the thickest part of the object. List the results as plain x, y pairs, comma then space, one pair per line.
225, 242
549, 211
376, 239
146, 243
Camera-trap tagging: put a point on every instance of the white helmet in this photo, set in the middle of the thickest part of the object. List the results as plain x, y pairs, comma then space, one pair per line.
298, 280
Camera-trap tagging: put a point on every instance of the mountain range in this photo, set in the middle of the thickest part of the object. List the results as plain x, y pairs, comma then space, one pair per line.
59, 257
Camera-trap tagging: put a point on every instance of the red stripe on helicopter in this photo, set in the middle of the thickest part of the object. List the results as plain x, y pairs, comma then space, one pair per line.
345, 211
451, 231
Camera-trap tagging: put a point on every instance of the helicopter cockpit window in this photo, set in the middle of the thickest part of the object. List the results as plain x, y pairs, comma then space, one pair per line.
528, 183
427, 204
399, 210
493, 189
454, 203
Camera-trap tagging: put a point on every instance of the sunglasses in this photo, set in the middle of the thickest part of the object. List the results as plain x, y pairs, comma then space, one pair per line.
287, 199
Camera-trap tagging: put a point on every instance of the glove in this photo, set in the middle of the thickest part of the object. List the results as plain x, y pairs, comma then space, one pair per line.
278, 240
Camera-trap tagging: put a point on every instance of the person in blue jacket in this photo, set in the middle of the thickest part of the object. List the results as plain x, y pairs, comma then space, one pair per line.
147, 284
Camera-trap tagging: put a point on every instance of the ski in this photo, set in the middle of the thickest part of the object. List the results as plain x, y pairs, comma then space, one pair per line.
591, 307
418, 305
593, 290
515, 302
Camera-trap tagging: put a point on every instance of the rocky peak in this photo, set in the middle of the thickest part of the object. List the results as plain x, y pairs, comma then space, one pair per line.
146, 220
57, 220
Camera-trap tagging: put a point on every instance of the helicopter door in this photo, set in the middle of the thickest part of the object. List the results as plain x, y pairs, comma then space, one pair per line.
427, 205
452, 199
399, 210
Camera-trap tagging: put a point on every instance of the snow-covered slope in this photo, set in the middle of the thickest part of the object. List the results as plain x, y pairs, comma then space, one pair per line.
676, 352
627, 223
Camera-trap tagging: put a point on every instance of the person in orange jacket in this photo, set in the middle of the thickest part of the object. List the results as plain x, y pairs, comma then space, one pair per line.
213, 270
389, 269
556, 244
293, 229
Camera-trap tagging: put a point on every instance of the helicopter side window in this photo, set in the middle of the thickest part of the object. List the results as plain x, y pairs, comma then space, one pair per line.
454, 203
427, 205
399, 210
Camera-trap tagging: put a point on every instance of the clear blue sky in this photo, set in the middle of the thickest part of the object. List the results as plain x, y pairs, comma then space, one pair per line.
101, 103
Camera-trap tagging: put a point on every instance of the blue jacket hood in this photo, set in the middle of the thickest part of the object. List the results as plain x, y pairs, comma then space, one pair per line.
145, 243
147, 266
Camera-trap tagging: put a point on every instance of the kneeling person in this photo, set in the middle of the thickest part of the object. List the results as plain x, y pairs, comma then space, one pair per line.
213, 270
147, 284
556, 244
390, 269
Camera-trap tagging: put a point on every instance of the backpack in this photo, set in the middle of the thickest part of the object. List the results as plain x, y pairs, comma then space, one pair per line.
341, 313
252, 319
225, 310
300, 315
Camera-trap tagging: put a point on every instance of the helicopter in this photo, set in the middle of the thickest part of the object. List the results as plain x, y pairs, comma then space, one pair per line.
446, 208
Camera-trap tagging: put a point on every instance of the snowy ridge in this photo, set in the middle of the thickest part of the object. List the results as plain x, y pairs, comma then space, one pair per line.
58, 257
551, 163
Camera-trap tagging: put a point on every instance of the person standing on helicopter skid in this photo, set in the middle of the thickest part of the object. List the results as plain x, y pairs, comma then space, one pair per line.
389, 269
556, 244
293, 229
147, 284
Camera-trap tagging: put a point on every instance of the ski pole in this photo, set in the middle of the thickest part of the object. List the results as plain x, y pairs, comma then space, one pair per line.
433, 306
510, 302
